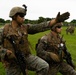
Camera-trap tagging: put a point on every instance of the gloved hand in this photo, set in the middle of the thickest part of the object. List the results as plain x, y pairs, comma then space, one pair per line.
62, 17
54, 57
10, 54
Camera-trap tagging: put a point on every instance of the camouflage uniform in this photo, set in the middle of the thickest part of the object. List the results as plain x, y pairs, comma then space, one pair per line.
21, 37
34, 63
50, 44
70, 29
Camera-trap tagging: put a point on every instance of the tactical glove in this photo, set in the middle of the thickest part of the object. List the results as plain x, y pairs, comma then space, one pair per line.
54, 57
62, 17
10, 54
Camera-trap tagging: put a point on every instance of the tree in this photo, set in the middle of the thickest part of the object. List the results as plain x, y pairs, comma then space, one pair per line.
2, 20
73, 21
7, 21
41, 19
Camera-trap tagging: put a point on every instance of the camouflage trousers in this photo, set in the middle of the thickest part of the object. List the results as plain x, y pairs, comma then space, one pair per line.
63, 68
34, 63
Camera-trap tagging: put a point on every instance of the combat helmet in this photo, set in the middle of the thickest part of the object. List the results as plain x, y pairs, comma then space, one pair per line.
16, 10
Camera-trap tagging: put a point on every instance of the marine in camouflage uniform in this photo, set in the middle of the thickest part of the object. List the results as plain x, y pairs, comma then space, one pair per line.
49, 49
20, 31
70, 29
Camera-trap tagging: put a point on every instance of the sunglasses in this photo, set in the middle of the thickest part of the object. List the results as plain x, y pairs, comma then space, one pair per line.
21, 15
58, 26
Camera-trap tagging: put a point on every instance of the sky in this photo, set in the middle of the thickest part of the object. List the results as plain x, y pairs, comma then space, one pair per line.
39, 8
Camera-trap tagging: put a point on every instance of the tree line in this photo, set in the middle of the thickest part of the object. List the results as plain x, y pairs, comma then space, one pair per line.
39, 20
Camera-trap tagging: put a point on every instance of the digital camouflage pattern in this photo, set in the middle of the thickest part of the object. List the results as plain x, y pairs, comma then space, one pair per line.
50, 44
70, 29
62, 17
21, 37
16, 10
10, 64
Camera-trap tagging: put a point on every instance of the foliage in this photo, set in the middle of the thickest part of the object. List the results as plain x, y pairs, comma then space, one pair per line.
73, 21
70, 42
8, 21
39, 20
2, 20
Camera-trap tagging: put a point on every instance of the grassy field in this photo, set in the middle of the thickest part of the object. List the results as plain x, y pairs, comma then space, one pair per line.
70, 42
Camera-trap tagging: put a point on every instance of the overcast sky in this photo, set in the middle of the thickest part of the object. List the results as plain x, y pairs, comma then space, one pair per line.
38, 8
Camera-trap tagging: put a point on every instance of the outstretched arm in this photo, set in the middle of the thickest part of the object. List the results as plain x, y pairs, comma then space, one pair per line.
60, 18
36, 28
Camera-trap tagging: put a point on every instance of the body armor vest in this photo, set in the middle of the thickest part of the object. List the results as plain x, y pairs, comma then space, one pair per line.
20, 38
53, 44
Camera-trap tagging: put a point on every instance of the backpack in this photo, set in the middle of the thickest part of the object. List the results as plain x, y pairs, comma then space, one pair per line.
41, 40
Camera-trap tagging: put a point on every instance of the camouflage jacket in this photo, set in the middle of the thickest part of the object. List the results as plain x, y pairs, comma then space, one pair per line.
21, 37
50, 43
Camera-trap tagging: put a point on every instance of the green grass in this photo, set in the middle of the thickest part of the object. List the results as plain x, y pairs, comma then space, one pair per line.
70, 43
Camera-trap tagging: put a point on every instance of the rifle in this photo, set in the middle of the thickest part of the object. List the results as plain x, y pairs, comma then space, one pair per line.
19, 55
67, 57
